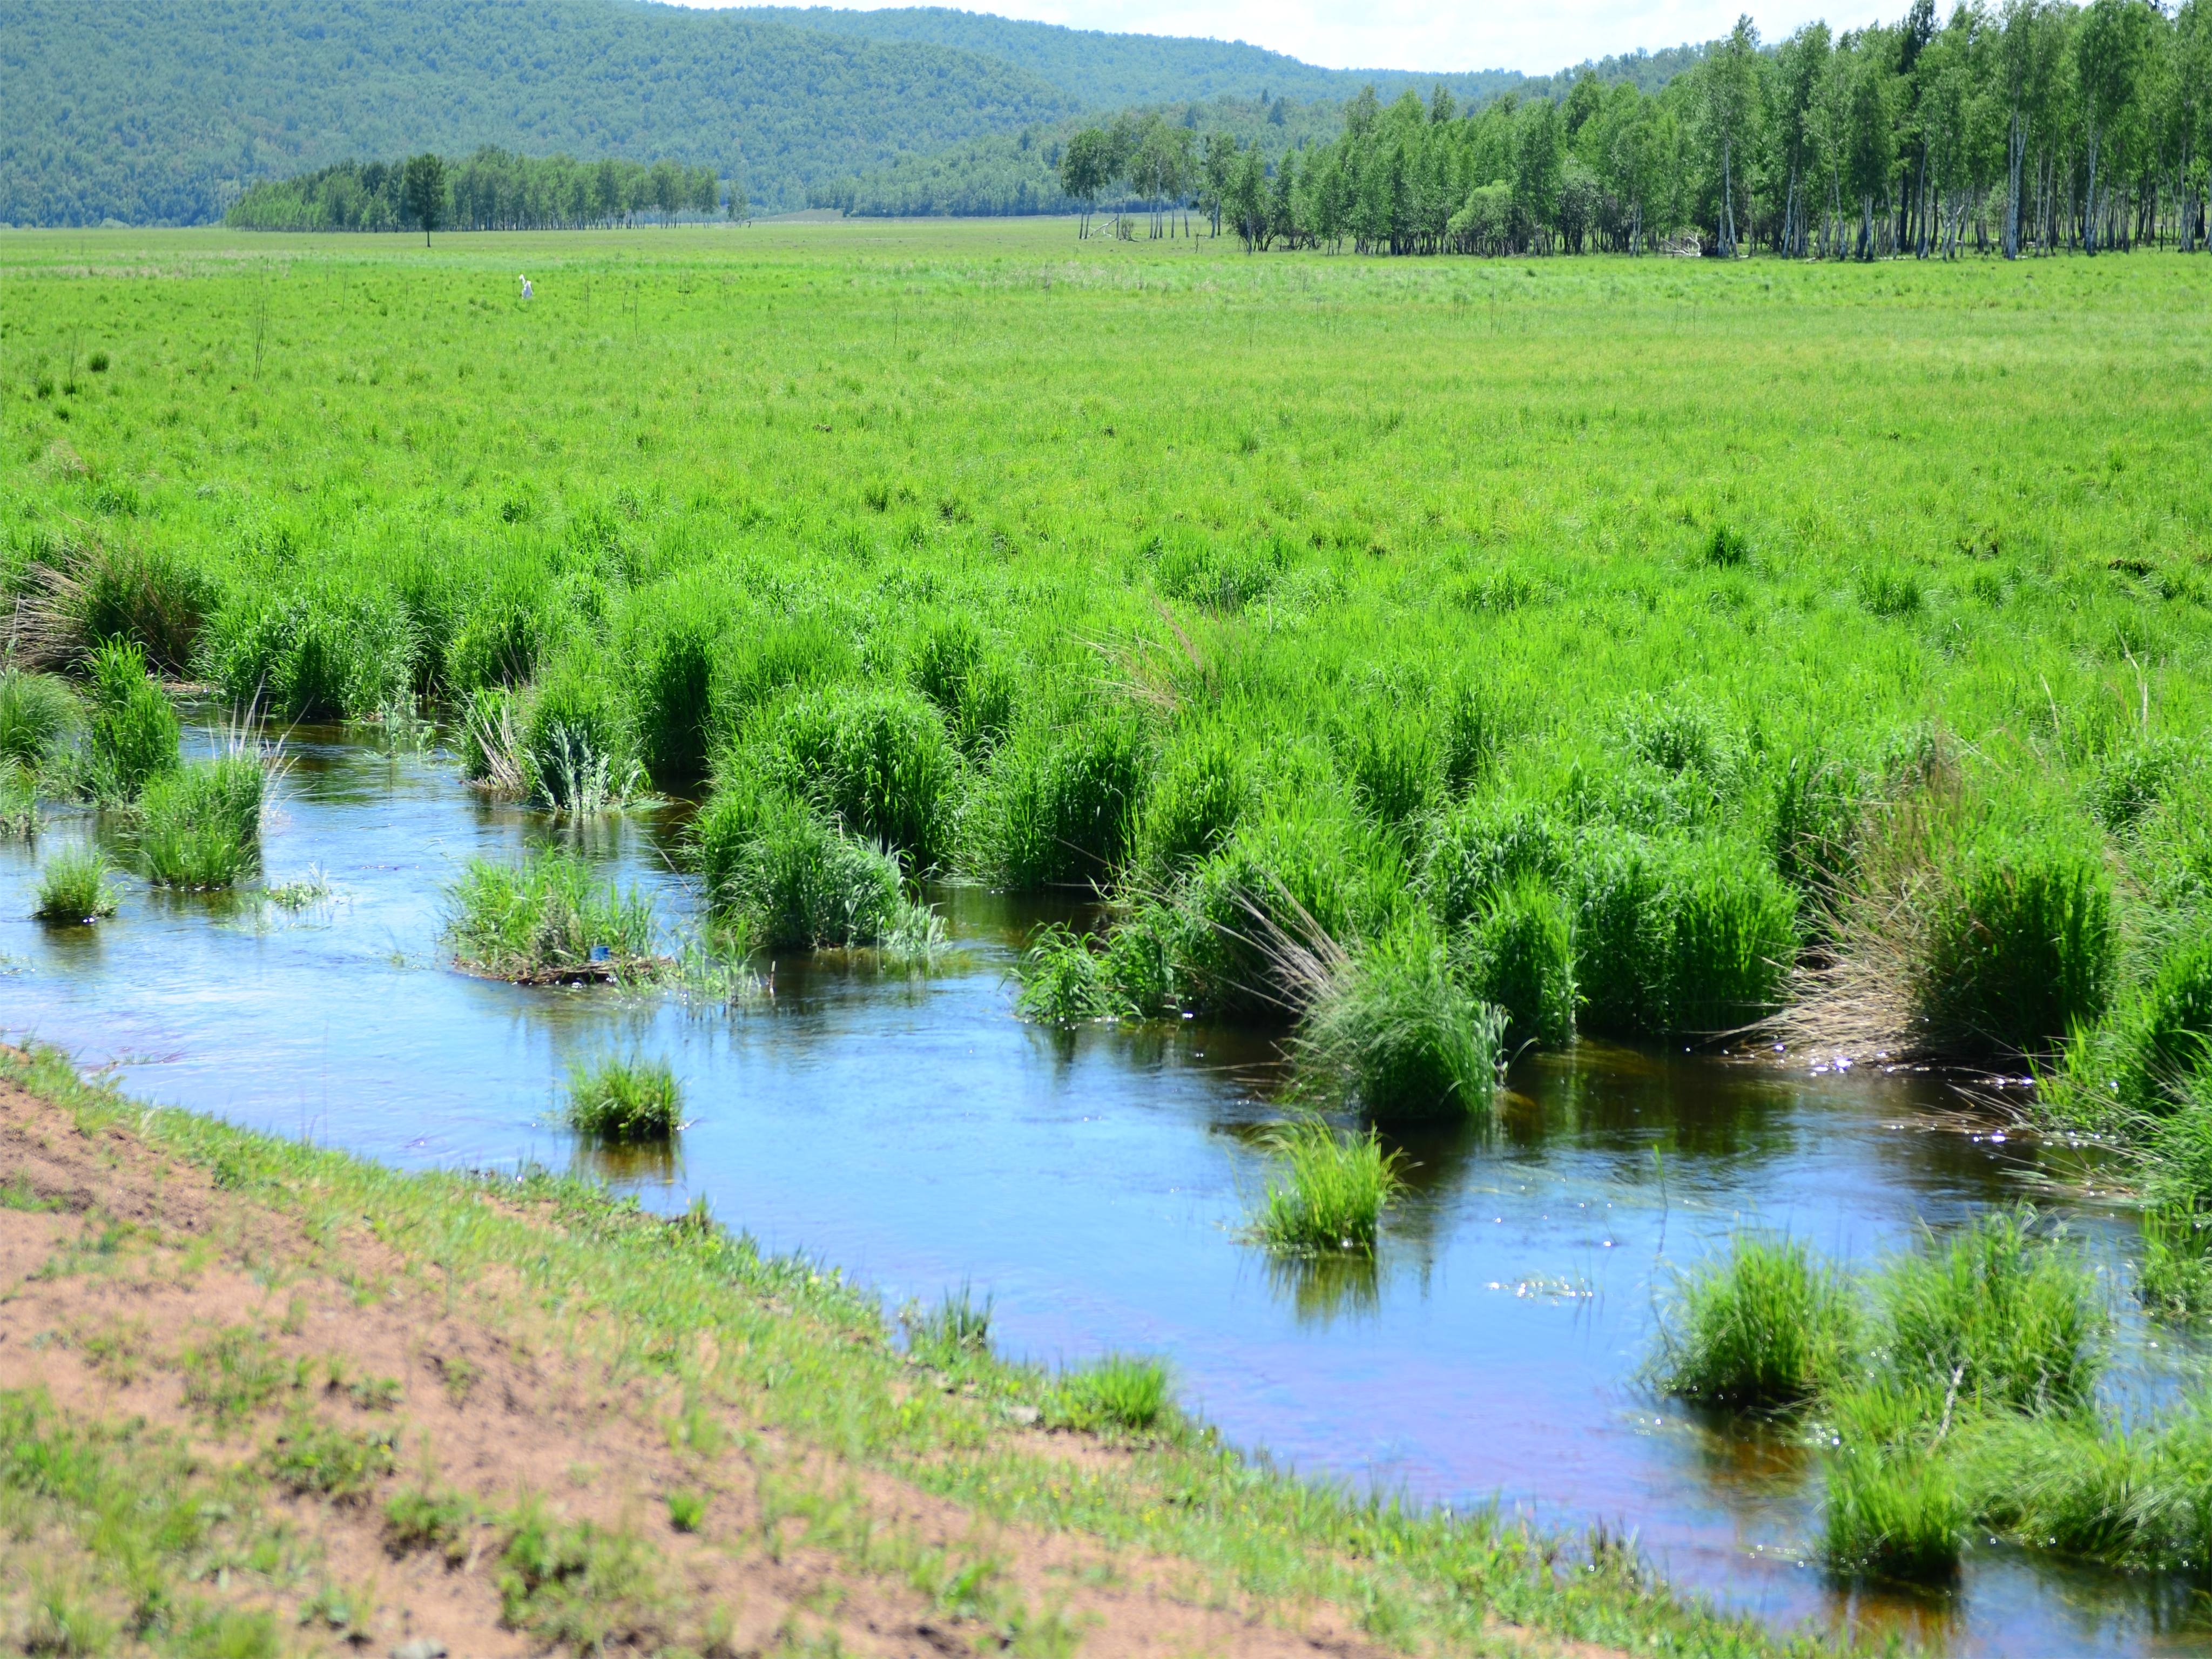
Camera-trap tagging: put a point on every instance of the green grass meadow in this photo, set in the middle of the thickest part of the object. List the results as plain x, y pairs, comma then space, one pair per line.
1687, 641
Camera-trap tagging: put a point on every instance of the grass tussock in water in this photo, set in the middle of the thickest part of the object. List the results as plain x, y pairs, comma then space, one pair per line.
39, 715
1392, 1029
74, 886
549, 917
793, 880
625, 1102
18, 800
1997, 1317
200, 826
131, 729
1769, 1325
1326, 1191
1991, 1335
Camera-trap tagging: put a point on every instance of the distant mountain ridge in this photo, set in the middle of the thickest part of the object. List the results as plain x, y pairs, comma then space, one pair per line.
1112, 71
163, 112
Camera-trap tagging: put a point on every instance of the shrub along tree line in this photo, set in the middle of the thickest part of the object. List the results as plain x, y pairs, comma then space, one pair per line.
493, 189
2029, 127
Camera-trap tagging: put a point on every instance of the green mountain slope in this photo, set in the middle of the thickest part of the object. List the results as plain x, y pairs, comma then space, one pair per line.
161, 111
1110, 71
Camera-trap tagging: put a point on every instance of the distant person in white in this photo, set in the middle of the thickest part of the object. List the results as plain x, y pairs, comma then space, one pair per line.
526, 289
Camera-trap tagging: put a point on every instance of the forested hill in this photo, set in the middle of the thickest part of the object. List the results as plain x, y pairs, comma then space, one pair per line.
1112, 71
162, 111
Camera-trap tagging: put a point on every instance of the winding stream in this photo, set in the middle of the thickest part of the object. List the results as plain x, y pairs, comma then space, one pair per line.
919, 1135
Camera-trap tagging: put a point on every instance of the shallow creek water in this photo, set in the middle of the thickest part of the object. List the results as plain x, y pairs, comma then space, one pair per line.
917, 1135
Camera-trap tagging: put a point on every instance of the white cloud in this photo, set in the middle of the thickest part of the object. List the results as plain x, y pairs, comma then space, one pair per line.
1404, 34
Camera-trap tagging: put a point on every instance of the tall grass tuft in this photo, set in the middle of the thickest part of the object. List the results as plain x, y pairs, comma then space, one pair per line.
199, 828
794, 879
18, 800
1327, 1191
878, 759
957, 1328
1198, 793
2138, 1499
38, 714
1766, 1328
132, 732
625, 1102
1117, 1391
73, 887
1997, 1317
2174, 1280
2016, 946
550, 917
1391, 1029
1064, 982
1058, 807
1519, 958
576, 750
1895, 1506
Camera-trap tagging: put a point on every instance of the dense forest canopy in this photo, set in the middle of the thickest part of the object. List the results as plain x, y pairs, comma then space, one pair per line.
165, 113
2036, 126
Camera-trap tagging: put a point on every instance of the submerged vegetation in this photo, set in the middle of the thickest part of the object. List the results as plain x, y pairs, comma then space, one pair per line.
1954, 1388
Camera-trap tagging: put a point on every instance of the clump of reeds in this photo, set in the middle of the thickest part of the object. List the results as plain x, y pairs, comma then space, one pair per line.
1327, 1191
958, 1327
576, 752
548, 918
199, 827
1767, 1327
2138, 1499
1117, 1391
1392, 1030
2174, 1280
19, 800
1058, 807
1997, 1316
131, 732
73, 886
1063, 981
1199, 791
1521, 959
1895, 1507
625, 1102
38, 714
880, 761
794, 879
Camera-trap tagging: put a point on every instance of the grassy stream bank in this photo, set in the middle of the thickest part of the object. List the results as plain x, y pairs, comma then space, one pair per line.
262, 1398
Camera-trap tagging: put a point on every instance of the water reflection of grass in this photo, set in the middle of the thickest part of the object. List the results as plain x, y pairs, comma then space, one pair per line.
1324, 1289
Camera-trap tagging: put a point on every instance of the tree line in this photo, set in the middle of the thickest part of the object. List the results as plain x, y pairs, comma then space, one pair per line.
2032, 126
492, 190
